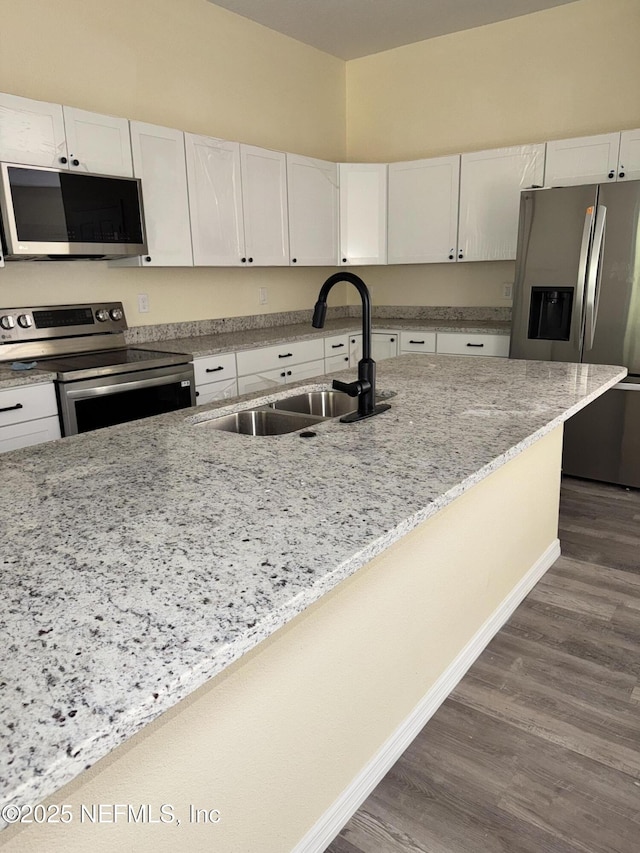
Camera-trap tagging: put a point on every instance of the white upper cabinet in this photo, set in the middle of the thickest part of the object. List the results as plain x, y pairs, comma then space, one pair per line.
423, 211
32, 132
490, 185
313, 211
215, 201
363, 213
97, 143
586, 160
159, 161
264, 202
629, 158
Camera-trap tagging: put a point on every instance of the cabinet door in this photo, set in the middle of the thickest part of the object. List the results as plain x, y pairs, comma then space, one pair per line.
363, 213
159, 160
215, 201
312, 188
31, 132
629, 161
305, 371
336, 362
98, 143
586, 160
223, 390
28, 433
384, 345
490, 186
261, 381
423, 211
264, 201
417, 341
355, 348
459, 343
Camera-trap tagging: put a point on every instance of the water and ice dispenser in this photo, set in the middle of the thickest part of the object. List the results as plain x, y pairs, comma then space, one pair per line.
550, 313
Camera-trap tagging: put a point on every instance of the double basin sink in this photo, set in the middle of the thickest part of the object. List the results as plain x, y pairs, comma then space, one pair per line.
290, 414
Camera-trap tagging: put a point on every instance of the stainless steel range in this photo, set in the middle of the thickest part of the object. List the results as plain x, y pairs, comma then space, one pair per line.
100, 380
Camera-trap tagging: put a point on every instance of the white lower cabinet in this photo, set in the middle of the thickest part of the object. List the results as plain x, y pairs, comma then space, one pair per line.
417, 341
459, 343
336, 362
355, 348
263, 368
28, 415
215, 377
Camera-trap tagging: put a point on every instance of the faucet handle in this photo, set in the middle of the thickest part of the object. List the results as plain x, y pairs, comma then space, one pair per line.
353, 389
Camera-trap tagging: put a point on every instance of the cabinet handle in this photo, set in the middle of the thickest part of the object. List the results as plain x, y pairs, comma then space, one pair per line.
213, 369
475, 345
416, 342
336, 346
63, 159
286, 355
612, 174
12, 408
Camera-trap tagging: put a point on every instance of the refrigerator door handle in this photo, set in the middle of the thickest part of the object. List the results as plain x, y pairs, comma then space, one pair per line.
594, 276
583, 263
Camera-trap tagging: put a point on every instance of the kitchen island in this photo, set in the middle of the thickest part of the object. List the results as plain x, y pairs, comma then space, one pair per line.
267, 618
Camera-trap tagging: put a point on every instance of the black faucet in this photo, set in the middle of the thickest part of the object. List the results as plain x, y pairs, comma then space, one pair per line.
365, 386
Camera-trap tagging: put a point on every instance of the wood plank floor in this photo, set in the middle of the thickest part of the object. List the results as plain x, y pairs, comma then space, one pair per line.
538, 748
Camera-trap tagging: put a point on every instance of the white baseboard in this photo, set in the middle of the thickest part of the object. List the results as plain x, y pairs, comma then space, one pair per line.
329, 825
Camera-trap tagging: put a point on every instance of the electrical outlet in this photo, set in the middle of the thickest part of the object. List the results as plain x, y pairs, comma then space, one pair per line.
507, 290
262, 296
143, 303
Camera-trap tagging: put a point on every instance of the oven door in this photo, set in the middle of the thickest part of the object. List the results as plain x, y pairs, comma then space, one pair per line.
103, 401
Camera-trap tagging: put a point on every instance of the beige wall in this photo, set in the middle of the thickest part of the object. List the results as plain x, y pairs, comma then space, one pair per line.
276, 738
185, 64
569, 71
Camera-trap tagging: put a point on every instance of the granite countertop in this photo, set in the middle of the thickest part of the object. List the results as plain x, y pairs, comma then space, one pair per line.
203, 345
147, 557
14, 378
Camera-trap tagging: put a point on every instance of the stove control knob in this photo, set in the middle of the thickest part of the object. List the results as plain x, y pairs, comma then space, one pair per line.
102, 315
25, 321
116, 314
7, 321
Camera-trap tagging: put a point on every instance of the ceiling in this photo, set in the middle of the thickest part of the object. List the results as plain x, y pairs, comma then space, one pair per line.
349, 29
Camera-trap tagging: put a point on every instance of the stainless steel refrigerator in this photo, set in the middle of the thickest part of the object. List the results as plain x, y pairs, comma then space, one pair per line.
577, 299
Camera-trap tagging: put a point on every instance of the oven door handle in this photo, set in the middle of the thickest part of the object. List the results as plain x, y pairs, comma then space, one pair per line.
115, 385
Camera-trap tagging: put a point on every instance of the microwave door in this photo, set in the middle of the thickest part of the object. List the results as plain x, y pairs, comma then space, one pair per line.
554, 242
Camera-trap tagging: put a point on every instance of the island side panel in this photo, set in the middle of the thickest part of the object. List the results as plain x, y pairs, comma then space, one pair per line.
275, 741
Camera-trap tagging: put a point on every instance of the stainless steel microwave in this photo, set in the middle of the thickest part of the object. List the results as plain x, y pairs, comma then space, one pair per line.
53, 213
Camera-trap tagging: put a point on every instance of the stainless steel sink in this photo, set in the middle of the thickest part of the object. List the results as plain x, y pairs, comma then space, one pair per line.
323, 404
262, 422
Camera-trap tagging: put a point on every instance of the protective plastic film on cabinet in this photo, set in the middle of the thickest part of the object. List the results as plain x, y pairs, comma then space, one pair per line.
490, 186
31, 132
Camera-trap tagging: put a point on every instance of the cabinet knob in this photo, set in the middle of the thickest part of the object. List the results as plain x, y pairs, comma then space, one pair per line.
294, 260
197, 393
148, 259
75, 162
63, 159
243, 260
344, 260
250, 260
451, 257
288, 373
283, 374
612, 174
621, 175
459, 256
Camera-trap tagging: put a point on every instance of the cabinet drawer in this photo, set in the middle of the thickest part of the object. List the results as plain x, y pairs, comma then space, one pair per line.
26, 403
214, 368
458, 343
335, 345
281, 356
29, 432
417, 341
